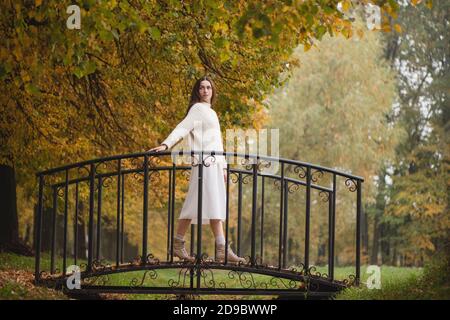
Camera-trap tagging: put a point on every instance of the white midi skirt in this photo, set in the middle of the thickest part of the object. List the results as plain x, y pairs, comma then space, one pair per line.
213, 195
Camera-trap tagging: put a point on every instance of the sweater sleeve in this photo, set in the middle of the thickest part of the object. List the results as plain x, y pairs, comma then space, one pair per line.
184, 127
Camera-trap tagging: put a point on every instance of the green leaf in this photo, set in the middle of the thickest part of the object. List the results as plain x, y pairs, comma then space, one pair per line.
3, 72
309, 19
85, 68
78, 72
393, 4
90, 67
224, 56
320, 31
142, 26
106, 35
32, 89
155, 33
329, 10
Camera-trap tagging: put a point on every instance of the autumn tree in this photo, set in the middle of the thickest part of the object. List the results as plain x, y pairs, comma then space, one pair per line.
333, 112
417, 212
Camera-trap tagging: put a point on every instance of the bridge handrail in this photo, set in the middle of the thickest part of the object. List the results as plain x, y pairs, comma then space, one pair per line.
130, 171
194, 152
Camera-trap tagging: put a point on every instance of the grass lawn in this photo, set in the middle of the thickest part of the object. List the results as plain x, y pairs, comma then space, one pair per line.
429, 283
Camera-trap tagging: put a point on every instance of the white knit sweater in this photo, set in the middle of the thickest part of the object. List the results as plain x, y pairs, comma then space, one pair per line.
201, 126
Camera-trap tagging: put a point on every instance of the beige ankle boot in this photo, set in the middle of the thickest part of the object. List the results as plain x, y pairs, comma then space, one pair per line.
179, 250
232, 257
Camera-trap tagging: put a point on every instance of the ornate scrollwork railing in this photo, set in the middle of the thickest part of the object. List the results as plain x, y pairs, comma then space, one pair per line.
147, 169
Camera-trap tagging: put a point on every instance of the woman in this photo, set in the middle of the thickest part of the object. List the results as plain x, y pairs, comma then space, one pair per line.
202, 125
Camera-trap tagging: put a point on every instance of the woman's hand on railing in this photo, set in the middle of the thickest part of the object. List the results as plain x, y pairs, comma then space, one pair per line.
225, 175
162, 147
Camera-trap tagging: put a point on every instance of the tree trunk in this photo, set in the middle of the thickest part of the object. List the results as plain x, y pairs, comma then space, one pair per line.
28, 234
365, 234
131, 251
375, 242
9, 225
378, 226
384, 243
394, 257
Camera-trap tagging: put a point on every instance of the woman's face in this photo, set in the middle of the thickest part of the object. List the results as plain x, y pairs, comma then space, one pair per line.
205, 91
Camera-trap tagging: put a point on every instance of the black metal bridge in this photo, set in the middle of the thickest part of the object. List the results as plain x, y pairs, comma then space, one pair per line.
269, 268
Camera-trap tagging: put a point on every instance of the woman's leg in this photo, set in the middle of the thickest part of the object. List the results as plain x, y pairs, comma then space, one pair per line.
178, 243
183, 225
216, 227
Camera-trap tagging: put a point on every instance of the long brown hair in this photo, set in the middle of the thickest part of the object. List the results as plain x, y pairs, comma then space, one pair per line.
195, 96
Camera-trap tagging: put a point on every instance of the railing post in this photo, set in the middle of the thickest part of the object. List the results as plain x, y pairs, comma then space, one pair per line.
53, 247
172, 209
227, 214
358, 232
75, 232
285, 221
280, 239
38, 227
66, 204
169, 221
308, 215
262, 221
239, 225
122, 219
119, 187
199, 220
254, 199
191, 270
99, 218
91, 217
331, 228
192, 245
145, 213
